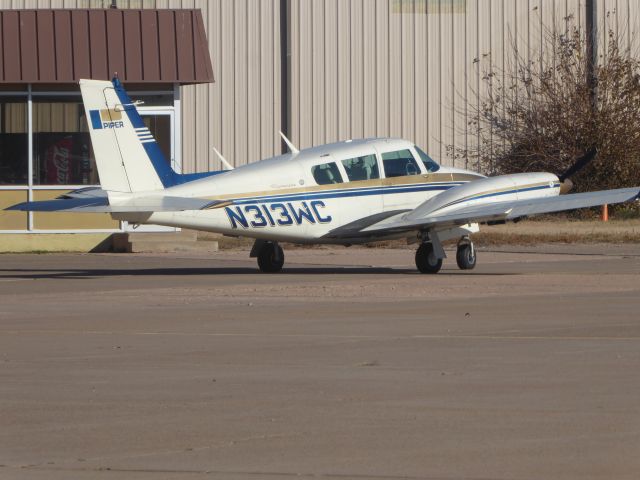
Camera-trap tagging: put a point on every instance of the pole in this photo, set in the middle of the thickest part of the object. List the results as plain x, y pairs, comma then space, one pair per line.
591, 21
285, 72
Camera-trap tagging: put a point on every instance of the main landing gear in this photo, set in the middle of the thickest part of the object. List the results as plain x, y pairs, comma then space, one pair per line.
430, 254
426, 259
269, 254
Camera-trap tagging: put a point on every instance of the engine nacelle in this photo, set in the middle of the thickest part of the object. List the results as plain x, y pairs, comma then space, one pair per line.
503, 188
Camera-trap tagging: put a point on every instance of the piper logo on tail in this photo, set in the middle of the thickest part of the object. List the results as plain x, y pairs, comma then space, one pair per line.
106, 118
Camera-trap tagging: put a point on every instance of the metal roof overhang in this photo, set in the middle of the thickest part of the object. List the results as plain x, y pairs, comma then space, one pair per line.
142, 46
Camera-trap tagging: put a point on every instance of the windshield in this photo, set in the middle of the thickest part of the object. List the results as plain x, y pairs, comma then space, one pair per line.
429, 163
399, 164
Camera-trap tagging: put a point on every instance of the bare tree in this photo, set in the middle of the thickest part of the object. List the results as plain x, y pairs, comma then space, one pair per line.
541, 117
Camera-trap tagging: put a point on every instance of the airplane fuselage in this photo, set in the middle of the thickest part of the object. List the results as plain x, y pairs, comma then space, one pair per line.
285, 197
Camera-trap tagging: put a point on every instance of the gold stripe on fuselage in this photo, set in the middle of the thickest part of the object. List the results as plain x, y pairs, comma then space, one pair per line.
430, 178
378, 182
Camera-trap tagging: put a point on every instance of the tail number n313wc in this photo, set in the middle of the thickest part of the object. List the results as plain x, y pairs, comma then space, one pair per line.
277, 214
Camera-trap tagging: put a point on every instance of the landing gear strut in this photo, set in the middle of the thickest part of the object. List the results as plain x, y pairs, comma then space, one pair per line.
270, 256
466, 254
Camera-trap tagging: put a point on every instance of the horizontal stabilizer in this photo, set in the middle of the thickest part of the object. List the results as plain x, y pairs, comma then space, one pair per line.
96, 201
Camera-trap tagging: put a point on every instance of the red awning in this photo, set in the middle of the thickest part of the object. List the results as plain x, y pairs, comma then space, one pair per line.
142, 46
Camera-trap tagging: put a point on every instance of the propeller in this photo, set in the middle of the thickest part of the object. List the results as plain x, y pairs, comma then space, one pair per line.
565, 183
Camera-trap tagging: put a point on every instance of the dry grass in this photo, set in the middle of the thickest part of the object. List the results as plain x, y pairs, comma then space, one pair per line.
561, 231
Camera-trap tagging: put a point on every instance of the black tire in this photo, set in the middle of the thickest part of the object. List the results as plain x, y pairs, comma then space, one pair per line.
426, 260
270, 258
466, 257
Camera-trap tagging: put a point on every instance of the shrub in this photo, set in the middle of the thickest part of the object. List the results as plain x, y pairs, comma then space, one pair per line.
541, 117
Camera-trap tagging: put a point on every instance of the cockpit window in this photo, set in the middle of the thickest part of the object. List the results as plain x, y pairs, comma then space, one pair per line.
326, 174
361, 168
429, 163
399, 164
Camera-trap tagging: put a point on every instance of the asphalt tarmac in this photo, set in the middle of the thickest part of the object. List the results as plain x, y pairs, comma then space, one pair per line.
348, 365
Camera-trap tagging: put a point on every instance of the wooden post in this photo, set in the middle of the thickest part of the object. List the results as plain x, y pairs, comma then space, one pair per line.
605, 213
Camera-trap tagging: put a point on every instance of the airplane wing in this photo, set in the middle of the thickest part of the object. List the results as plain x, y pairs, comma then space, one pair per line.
509, 210
95, 200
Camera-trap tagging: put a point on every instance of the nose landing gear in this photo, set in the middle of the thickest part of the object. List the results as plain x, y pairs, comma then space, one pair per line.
466, 254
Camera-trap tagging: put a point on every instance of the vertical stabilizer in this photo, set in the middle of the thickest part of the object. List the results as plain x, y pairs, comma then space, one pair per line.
127, 156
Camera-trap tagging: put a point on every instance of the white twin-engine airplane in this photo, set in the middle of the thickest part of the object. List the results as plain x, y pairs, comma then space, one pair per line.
350, 192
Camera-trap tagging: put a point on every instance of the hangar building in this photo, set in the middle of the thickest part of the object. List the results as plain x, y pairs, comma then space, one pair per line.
231, 73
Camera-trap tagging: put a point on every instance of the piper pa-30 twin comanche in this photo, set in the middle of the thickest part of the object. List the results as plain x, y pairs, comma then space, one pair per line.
350, 192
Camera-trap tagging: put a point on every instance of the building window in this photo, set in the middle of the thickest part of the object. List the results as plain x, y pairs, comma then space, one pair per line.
52, 126
152, 99
160, 128
62, 153
14, 137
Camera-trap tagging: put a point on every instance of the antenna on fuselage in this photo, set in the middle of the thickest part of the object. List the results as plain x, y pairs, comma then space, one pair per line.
291, 146
223, 160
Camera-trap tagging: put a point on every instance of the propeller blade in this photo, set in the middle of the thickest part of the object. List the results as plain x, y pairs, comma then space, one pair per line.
582, 162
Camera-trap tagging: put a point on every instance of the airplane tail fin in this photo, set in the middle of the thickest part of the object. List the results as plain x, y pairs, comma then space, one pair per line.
127, 156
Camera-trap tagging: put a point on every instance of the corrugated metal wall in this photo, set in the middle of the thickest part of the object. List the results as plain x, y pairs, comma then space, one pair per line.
240, 113
360, 68
412, 68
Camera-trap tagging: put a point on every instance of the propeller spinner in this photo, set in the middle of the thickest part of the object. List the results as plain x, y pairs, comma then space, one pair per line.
565, 183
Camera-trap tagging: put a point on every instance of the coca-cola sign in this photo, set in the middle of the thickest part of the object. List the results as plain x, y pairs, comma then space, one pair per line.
65, 159
58, 162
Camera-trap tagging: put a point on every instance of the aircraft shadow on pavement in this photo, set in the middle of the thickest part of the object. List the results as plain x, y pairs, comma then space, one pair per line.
89, 273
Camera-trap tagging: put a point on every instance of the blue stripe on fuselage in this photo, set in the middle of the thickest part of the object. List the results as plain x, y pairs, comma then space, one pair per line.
343, 193
383, 190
